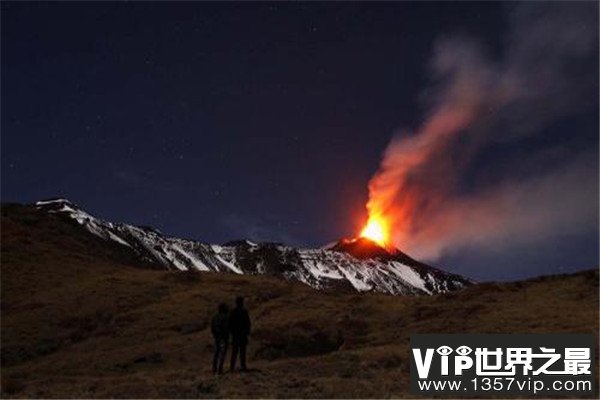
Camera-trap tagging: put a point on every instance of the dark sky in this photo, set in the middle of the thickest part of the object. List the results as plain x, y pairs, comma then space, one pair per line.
219, 121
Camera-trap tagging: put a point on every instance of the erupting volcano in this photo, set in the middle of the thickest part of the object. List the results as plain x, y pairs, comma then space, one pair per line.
358, 263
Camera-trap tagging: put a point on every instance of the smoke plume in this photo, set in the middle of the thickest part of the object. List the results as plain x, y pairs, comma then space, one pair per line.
486, 167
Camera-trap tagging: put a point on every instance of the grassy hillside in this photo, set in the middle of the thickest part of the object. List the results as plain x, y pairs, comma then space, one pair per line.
77, 322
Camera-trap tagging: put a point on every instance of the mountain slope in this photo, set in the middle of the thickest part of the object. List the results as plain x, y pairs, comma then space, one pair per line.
78, 323
352, 264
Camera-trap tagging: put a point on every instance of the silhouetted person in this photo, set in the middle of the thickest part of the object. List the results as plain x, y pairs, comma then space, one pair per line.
220, 330
239, 326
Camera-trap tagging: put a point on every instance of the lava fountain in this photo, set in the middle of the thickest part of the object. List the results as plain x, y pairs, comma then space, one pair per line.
377, 230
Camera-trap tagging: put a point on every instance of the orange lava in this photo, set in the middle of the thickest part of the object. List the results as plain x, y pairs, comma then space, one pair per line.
376, 230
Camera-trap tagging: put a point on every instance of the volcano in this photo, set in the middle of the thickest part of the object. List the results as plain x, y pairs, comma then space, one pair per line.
363, 248
356, 264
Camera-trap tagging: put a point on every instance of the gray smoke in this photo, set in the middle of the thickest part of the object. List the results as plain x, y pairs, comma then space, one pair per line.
480, 101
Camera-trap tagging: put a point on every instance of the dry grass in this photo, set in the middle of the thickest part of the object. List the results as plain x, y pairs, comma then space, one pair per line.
79, 322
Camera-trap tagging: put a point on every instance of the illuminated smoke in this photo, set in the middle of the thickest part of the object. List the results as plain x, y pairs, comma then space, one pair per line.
435, 186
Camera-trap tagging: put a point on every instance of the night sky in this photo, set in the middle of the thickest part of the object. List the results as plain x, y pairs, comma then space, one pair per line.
260, 120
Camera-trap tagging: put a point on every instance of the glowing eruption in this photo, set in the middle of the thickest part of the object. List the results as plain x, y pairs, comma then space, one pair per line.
437, 190
376, 230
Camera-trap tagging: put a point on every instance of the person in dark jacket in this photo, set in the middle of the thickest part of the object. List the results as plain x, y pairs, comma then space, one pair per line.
220, 330
239, 326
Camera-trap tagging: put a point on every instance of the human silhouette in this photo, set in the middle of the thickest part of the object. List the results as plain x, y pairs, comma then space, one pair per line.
220, 330
239, 326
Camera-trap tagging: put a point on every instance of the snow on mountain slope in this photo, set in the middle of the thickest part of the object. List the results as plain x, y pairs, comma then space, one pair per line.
357, 264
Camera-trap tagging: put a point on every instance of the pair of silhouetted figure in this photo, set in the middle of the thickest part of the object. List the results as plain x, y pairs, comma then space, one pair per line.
235, 323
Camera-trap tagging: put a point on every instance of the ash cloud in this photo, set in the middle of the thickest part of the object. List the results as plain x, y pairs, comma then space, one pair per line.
485, 168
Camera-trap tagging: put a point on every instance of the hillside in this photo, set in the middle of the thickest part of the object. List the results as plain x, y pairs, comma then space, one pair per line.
77, 323
353, 264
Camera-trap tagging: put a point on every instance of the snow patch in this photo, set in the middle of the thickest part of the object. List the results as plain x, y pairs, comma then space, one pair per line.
409, 275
